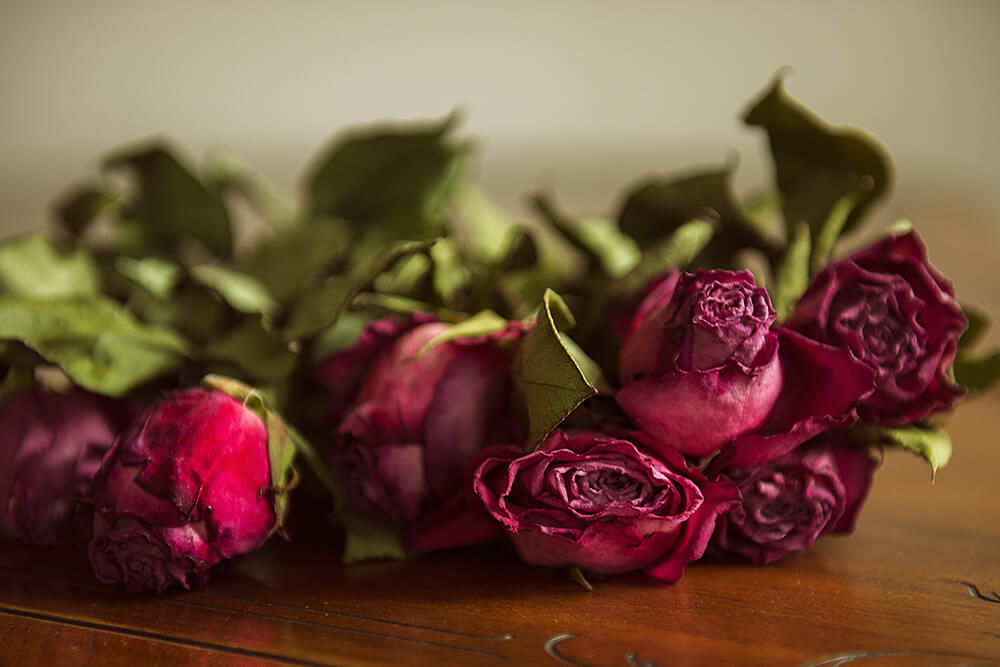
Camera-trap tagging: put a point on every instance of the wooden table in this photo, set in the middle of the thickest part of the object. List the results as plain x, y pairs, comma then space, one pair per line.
917, 584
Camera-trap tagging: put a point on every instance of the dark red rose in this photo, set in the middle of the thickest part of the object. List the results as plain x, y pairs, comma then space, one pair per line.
599, 502
892, 310
704, 370
420, 414
183, 489
789, 502
52, 446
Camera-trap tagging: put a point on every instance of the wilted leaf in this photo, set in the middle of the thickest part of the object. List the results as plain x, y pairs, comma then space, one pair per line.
172, 204
483, 323
31, 266
397, 176
156, 276
450, 275
791, 276
287, 260
816, 165
676, 251
81, 206
94, 340
241, 291
931, 444
481, 224
597, 238
367, 538
549, 379
979, 324
250, 347
227, 172
978, 375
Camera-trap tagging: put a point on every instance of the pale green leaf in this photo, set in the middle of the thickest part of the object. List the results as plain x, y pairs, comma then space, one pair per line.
830, 231
156, 276
241, 291
95, 341
483, 323
481, 224
450, 275
931, 444
791, 276
31, 266
367, 538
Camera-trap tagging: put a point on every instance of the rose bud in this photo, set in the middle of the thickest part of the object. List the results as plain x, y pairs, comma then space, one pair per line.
52, 445
703, 368
421, 413
599, 502
789, 502
187, 486
700, 365
892, 310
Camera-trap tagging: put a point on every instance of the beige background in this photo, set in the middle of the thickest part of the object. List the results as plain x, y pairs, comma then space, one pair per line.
579, 96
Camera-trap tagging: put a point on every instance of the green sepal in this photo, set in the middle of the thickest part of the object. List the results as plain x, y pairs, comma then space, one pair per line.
319, 307
367, 538
99, 344
547, 376
283, 444
171, 204
816, 165
929, 443
32, 266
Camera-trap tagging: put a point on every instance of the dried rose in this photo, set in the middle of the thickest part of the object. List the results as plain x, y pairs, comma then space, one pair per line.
789, 502
420, 414
599, 502
185, 487
892, 310
52, 446
703, 369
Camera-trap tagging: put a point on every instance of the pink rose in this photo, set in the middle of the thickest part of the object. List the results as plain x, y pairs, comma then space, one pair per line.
600, 502
789, 502
183, 489
51, 447
420, 414
704, 370
893, 311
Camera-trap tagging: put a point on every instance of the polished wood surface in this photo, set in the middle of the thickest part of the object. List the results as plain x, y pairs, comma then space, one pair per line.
917, 584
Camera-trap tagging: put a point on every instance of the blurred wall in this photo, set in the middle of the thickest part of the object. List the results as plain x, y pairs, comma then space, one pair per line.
579, 96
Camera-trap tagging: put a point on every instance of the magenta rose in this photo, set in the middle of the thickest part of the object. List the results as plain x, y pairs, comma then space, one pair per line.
599, 502
420, 414
790, 502
892, 310
186, 487
703, 370
52, 445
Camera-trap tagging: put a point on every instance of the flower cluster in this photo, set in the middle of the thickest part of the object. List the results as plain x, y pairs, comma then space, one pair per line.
604, 394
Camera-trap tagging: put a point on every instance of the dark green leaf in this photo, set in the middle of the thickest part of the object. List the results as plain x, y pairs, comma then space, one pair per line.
31, 266
241, 291
98, 343
597, 238
286, 261
791, 276
77, 209
816, 165
194, 311
250, 346
979, 375
547, 376
401, 177
979, 324
319, 307
520, 252
172, 204
226, 172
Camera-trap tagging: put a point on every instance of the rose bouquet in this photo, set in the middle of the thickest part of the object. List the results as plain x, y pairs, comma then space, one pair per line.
701, 375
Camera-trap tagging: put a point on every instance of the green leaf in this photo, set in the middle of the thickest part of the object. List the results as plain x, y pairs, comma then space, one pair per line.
816, 165
319, 307
597, 238
791, 276
81, 206
450, 276
287, 260
481, 225
483, 323
409, 274
94, 340
830, 231
401, 177
367, 538
520, 251
577, 576
241, 291
549, 379
172, 204
250, 347
676, 251
156, 276
979, 324
192, 310
591, 369
227, 172
31, 266
978, 375
931, 444
283, 444
657, 207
